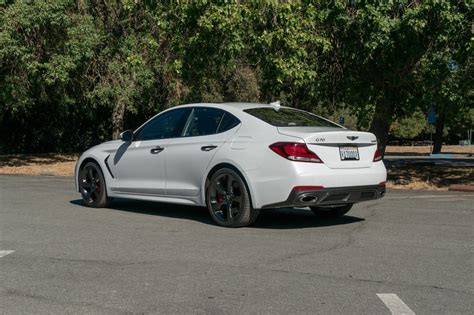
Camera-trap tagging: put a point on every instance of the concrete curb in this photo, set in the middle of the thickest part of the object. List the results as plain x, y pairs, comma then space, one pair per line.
465, 188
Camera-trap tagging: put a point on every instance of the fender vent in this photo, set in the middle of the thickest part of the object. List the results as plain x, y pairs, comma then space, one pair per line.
107, 164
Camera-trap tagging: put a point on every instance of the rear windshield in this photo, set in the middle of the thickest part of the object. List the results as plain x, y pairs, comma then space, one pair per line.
287, 117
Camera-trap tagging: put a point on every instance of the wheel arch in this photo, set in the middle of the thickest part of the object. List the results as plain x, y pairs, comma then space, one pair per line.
217, 167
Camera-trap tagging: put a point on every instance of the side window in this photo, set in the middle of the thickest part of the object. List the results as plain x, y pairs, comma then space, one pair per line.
228, 122
167, 125
204, 121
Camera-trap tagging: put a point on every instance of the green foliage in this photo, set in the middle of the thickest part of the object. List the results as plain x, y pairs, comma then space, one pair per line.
409, 127
73, 74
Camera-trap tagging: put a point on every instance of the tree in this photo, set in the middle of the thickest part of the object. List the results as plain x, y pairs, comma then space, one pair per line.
42, 53
383, 46
446, 70
73, 74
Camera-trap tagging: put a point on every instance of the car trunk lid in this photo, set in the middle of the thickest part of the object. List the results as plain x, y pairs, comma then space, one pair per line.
337, 147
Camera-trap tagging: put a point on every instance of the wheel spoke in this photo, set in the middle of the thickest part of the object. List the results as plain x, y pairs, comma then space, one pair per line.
238, 199
90, 175
229, 211
216, 206
230, 180
85, 185
87, 195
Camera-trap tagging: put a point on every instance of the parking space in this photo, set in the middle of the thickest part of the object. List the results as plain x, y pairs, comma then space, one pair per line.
409, 252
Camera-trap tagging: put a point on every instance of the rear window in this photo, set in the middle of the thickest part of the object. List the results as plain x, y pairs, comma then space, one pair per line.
287, 117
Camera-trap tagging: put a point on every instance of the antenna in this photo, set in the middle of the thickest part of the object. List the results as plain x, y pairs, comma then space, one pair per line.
276, 104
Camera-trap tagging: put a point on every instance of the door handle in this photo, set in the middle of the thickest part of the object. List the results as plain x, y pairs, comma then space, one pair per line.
156, 150
208, 147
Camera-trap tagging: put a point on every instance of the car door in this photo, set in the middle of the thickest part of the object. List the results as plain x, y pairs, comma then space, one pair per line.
189, 156
141, 163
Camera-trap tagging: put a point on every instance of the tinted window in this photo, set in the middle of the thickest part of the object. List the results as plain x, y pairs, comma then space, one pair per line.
167, 125
287, 117
204, 121
228, 122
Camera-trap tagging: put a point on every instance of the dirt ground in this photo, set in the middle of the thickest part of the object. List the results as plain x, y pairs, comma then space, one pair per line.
407, 177
428, 177
426, 150
43, 164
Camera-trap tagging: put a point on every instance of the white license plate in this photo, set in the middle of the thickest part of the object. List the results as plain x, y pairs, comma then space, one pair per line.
349, 153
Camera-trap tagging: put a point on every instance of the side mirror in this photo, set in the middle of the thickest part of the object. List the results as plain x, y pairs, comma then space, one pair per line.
126, 136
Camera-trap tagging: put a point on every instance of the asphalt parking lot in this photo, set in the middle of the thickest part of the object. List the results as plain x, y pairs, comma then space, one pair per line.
58, 256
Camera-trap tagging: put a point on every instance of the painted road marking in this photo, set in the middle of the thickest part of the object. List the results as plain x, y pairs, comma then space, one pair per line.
429, 196
5, 252
395, 304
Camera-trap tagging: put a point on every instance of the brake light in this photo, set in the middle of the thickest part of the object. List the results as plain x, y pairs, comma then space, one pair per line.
295, 151
377, 155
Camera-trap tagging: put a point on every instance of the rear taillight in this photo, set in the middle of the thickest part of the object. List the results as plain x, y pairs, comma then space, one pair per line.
377, 155
295, 152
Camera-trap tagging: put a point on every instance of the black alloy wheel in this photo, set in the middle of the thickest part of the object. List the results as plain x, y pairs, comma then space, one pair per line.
92, 186
228, 199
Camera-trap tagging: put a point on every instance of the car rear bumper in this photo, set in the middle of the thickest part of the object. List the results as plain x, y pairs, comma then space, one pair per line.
331, 196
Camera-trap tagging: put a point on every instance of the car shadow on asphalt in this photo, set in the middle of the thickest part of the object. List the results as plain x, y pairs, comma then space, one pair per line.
285, 218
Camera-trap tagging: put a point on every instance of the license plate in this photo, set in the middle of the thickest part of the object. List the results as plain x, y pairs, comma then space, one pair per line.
349, 153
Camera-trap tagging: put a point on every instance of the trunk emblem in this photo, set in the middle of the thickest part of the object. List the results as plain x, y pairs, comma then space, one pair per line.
352, 138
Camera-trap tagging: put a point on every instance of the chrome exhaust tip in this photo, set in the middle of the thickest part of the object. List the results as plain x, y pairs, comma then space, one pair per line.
308, 199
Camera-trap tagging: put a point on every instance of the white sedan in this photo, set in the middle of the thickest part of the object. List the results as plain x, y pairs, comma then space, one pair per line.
236, 159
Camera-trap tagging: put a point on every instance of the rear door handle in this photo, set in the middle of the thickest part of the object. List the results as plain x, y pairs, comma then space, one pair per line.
208, 147
156, 150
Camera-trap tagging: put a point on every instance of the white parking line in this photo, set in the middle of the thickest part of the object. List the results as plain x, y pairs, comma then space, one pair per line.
395, 304
5, 252
428, 196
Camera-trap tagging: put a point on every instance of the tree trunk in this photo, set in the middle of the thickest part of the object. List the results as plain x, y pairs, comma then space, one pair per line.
117, 119
381, 121
438, 136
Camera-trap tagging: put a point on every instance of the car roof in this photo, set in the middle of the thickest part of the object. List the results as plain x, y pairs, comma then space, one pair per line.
233, 105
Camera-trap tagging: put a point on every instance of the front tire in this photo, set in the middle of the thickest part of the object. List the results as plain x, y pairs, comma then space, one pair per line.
331, 212
92, 186
228, 199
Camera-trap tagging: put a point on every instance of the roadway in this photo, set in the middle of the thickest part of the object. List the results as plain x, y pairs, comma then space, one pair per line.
411, 252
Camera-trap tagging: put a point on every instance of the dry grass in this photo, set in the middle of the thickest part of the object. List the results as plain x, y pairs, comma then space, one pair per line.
426, 150
406, 177
428, 177
44, 164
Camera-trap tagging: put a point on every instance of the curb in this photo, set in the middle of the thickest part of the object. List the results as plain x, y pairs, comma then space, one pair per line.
465, 188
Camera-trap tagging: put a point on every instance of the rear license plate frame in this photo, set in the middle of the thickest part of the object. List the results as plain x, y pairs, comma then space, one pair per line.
349, 153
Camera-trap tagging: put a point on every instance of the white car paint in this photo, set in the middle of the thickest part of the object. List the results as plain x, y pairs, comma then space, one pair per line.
178, 173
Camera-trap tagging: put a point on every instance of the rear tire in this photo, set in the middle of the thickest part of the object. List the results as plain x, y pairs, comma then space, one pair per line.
331, 212
228, 199
92, 186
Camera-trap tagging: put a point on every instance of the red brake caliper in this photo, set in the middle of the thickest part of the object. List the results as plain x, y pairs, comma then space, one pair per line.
220, 197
